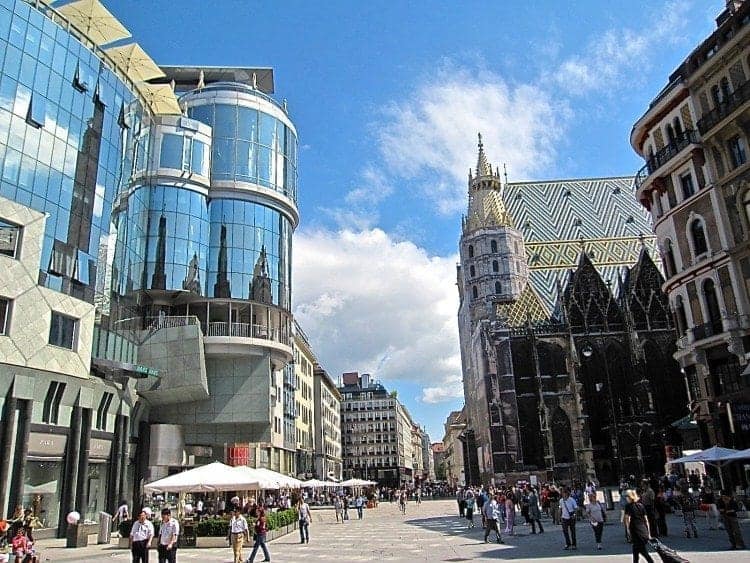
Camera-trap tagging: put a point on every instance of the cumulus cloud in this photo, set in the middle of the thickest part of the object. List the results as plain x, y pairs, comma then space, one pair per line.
452, 389
374, 304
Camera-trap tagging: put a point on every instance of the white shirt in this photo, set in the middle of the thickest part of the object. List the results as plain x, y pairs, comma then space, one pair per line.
199, 506
568, 507
122, 512
142, 531
595, 512
167, 530
238, 525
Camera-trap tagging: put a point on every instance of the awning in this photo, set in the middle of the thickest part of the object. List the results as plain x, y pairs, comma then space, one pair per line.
135, 62
212, 477
268, 479
357, 483
93, 19
160, 98
318, 484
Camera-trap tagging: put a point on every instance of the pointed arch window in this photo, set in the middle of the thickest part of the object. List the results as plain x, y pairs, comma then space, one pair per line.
698, 234
493, 246
716, 95
496, 265
669, 261
474, 292
712, 306
472, 271
679, 308
471, 251
498, 287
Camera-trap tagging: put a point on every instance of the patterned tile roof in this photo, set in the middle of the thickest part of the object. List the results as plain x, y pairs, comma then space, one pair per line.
560, 218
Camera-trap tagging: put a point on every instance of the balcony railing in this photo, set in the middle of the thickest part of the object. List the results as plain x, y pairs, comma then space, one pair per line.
246, 330
665, 154
724, 108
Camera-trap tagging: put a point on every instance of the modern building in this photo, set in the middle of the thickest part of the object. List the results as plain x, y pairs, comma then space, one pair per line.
453, 466
378, 434
327, 426
565, 335
304, 403
695, 183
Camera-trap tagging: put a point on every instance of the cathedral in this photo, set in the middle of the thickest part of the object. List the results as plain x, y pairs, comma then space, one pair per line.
566, 336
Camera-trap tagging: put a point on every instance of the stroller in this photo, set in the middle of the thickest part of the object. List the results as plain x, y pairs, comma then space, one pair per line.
667, 554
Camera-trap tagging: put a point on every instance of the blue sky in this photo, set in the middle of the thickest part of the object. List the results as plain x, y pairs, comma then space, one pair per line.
387, 98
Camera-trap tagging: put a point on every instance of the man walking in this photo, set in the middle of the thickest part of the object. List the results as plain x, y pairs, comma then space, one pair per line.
535, 514
168, 534
359, 504
491, 512
728, 508
568, 507
140, 538
239, 532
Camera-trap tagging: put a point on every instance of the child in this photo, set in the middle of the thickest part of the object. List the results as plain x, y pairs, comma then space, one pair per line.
22, 548
688, 514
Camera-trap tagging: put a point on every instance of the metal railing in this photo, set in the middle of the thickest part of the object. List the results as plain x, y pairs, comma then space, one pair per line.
724, 108
246, 330
665, 154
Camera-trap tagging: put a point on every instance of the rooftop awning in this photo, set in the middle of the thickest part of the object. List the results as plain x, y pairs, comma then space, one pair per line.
160, 98
135, 62
93, 19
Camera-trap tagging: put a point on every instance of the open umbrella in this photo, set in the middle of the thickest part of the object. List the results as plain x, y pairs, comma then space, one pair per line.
318, 484
135, 62
160, 98
94, 20
212, 477
716, 456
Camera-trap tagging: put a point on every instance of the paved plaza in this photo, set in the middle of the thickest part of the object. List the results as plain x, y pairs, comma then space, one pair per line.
431, 531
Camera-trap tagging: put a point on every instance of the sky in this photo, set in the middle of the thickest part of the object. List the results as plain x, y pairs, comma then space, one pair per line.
387, 98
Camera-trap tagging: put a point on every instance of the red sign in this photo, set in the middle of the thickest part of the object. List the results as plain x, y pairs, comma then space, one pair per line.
238, 455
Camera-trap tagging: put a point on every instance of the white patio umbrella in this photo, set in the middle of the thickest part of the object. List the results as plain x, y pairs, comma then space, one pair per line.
212, 477
268, 479
716, 456
318, 484
356, 483
741, 454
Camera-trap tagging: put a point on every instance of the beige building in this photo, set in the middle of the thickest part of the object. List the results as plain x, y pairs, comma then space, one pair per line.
327, 417
304, 384
453, 450
696, 184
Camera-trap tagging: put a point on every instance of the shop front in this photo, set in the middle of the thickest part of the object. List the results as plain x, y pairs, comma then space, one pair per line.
43, 476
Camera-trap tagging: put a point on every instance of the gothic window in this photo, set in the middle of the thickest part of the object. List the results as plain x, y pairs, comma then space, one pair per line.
496, 266
716, 95
493, 246
700, 245
471, 251
737, 152
498, 287
712, 305
670, 264
679, 308
474, 292
562, 437
688, 187
719, 161
472, 271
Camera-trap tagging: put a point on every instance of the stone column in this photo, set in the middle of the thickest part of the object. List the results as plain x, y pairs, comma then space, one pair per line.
9, 423
82, 488
72, 451
21, 453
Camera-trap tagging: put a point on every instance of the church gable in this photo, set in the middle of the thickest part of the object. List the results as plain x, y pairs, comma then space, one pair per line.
642, 289
589, 302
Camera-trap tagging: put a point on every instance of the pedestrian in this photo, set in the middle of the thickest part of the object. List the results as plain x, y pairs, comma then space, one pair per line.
660, 508
338, 508
261, 530
168, 534
636, 522
525, 507
303, 512
510, 512
728, 508
141, 534
359, 504
535, 514
402, 502
481, 499
648, 499
688, 507
238, 533
568, 507
122, 513
708, 505
469, 509
23, 548
491, 512
461, 500
554, 504
597, 515
345, 502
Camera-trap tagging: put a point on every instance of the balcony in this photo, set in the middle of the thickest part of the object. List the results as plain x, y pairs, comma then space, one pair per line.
707, 330
733, 101
665, 154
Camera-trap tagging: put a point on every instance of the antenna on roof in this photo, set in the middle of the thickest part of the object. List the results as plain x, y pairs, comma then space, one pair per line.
505, 174
255, 81
201, 80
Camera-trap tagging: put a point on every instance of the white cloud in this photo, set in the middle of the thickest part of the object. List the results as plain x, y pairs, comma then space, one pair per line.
373, 304
447, 392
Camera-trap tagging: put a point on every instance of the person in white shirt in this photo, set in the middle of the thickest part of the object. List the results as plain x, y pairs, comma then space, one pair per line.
238, 533
199, 507
568, 507
122, 513
597, 517
140, 538
491, 512
168, 534
303, 512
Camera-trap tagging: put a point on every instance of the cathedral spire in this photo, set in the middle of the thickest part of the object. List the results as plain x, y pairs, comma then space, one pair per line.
483, 167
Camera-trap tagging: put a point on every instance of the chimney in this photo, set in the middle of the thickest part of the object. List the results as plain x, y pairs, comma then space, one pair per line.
351, 378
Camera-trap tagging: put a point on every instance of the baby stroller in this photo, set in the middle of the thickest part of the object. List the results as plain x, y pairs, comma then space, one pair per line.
667, 554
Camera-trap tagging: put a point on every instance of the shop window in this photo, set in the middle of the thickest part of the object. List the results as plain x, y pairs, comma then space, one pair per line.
51, 410
4, 315
737, 151
63, 331
103, 410
700, 245
688, 188
10, 235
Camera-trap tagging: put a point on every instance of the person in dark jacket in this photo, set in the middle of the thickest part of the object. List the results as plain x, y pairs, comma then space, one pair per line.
636, 522
728, 508
660, 508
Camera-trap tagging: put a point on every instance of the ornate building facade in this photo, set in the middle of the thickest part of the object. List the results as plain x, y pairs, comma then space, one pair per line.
696, 184
563, 330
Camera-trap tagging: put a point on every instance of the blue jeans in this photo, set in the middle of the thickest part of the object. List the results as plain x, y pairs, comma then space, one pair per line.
260, 542
359, 512
304, 531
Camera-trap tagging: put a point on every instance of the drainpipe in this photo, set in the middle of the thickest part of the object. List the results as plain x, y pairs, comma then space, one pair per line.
10, 421
72, 451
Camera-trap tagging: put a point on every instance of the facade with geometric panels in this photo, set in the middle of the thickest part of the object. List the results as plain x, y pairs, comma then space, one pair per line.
565, 334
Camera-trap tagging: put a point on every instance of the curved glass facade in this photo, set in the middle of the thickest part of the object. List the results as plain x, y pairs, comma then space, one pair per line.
249, 145
62, 146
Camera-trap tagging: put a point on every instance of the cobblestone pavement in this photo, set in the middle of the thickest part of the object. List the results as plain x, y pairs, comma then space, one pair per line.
431, 531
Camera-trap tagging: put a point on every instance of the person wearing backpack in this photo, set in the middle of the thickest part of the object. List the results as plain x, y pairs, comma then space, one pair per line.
597, 515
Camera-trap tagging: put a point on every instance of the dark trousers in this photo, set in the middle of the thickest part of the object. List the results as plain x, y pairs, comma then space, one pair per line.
304, 531
639, 548
139, 550
491, 526
569, 531
598, 529
534, 523
167, 555
260, 542
733, 531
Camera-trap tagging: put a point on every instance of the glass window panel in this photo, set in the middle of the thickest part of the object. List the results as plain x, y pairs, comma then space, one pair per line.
225, 124
41, 79
5, 18
12, 64
17, 31
46, 49
204, 114
171, 151
198, 158
247, 124
265, 166
267, 133
245, 160
11, 166
7, 93
33, 38
223, 156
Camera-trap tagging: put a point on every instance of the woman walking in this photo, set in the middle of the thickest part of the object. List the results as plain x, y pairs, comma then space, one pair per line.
636, 522
510, 513
338, 507
260, 529
597, 516
469, 509
303, 512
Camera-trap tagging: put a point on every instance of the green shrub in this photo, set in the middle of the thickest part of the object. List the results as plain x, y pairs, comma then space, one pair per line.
212, 528
281, 518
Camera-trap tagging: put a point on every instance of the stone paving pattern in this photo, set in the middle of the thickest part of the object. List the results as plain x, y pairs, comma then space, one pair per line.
432, 531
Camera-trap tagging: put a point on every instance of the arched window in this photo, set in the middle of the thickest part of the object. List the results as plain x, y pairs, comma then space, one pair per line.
496, 266
471, 251
493, 246
498, 287
670, 134
474, 292
712, 306
679, 309
700, 246
746, 206
726, 90
472, 271
677, 127
716, 95
669, 264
